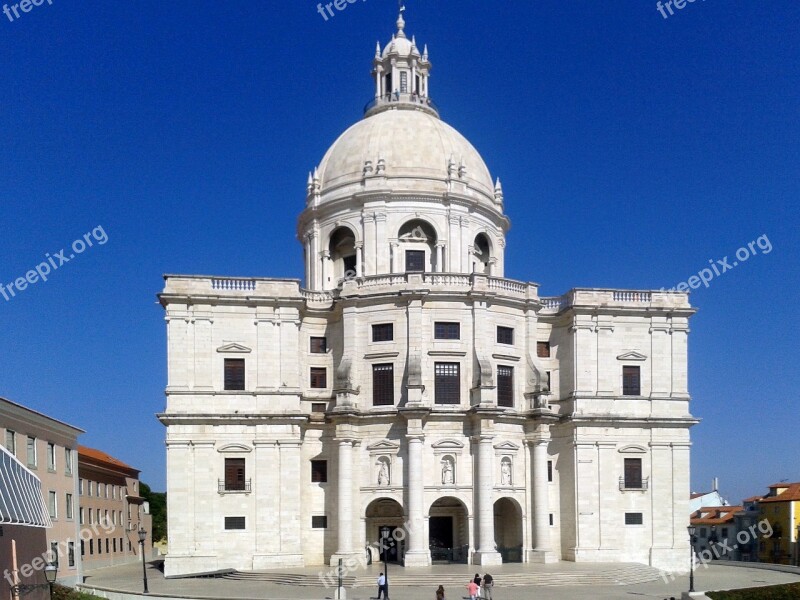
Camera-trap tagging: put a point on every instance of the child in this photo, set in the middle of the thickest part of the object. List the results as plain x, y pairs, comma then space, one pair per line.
440, 593
472, 589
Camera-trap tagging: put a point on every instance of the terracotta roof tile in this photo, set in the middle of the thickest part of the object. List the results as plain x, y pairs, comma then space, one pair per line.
101, 456
791, 494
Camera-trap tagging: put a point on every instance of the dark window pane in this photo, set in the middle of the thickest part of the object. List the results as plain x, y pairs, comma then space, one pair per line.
383, 385
319, 407
633, 519
633, 473
319, 471
543, 349
234, 522
383, 332
319, 345
415, 261
349, 266
505, 335
631, 383
234, 474
549, 470
234, 373
447, 331
319, 378
319, 521
447, 383
505, 386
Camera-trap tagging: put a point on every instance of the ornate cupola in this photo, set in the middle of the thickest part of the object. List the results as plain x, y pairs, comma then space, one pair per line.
401, 75
401, 191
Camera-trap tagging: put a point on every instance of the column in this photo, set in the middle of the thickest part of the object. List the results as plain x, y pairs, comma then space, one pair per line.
542, 551
608, 372
266, 483
359, 259
440, 258
381, 258
370, 245
291, 529
203, 349
486, 553
205, 500
178, 350
344, 514
394, 251
325, 257
417, 555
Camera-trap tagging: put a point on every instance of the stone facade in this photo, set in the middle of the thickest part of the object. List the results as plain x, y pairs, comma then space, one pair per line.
410, 385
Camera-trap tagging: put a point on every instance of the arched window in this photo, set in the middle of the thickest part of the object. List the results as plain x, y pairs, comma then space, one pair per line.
417, 245
343, 253
481, 254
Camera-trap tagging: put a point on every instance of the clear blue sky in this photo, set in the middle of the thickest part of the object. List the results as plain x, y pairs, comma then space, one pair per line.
633, 149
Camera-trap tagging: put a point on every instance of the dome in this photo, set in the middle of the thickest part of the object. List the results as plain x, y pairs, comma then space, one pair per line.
419, 153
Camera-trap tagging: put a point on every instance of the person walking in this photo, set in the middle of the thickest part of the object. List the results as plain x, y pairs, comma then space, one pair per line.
477, 580
382, 589
488, 584
440, 593
472, 590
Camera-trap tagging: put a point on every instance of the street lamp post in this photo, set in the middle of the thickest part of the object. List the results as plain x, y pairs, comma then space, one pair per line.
142, 537
50, 572
385, 535
691, 529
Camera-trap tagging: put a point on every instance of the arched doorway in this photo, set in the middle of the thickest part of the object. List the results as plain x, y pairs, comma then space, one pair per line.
448, 531
482, 254
342, 249
381, 514
508, 529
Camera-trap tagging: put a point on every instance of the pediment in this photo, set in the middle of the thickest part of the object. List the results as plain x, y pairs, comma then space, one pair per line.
234, 448
506, 447
234, 348
632, 356
633, 450
384, 446
447, 445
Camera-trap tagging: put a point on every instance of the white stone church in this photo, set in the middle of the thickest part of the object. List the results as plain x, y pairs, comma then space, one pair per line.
409, 387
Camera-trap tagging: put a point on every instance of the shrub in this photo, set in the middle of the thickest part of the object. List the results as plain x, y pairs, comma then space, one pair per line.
773, 592
61, 592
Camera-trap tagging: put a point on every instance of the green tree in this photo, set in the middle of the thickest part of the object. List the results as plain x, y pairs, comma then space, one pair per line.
158, 510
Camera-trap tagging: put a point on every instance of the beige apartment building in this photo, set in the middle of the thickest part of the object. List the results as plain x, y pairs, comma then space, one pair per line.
47, 447
111, 510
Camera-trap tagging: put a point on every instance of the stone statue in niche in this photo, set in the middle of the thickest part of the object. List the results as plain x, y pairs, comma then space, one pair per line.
383, 473
447, 471
505, 473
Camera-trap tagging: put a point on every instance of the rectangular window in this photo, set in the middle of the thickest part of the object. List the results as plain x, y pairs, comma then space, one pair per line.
11, 442
319, 345
80, 487
113, 492
319, 377
114, 544
51, 456
99, 546
631, 382
505, 386
543, 349
68, 507
383, 385
447, 383
319, 407
67, 461
550, 471
234, 374
633, 473
83, 548
403, 82
52, 504
634, 519
319, 521
319, 471
505, 335
107, 545
234, 523
551, 519
80, 515
101, 488
53, 556
71, 554
234, 475
90, 522
383, 332
724, 533
415, 261
91, 487
447, 331
32, 460
114, 518
91, 547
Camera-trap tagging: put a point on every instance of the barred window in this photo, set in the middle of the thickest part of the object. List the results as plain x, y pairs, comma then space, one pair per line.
234, 522
543, 349
319, 471
634, 519
631, 381
447, 331
505, 386
234, 374
319, 521
383, 384
234, 474
415, 261
505, 335
319, 377
319, 345
633, 473
447, 383
383, 332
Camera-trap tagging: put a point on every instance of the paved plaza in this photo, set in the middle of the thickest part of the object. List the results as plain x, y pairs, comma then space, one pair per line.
128, 578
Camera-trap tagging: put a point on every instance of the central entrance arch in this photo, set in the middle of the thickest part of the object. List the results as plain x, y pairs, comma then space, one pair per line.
380, 514
508, 529
448, 531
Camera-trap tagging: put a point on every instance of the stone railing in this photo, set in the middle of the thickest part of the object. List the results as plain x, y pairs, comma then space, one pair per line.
233, 285
448, 279
623, 299
633, 296
507, 285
